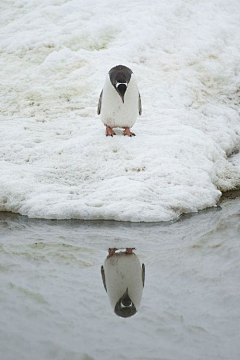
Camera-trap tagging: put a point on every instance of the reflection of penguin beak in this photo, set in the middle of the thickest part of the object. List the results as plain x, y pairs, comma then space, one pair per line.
121, 89
126, 301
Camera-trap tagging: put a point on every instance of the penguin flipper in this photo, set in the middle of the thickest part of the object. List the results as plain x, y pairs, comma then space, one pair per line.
99, 104
140, 105
103, 277
143, 274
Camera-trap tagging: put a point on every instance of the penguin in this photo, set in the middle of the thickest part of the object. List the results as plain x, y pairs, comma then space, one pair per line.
119, 102
123, 278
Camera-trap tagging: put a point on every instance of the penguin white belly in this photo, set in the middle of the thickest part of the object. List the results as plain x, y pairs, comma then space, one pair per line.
121, 272
115, 113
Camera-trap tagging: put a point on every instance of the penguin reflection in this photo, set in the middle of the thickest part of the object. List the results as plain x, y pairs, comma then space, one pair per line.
123, 278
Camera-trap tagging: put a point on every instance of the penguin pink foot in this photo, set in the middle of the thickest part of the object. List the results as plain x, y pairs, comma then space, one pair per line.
129, 250
128, 132
111, 251
109, 131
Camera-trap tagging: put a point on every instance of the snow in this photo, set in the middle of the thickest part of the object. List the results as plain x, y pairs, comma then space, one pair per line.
235, 159
55, 160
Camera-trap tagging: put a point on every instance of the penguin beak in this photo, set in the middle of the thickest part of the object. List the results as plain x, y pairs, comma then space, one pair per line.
121, 89
126, 301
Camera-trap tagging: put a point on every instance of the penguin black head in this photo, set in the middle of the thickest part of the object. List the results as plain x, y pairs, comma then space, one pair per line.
120, 77
125, 307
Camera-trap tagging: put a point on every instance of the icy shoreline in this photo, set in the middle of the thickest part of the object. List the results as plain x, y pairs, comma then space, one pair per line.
227, 195
55, 160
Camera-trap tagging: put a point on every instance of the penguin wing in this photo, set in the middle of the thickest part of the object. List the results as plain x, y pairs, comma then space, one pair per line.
103, 277
99, 104
143, 274
140, 105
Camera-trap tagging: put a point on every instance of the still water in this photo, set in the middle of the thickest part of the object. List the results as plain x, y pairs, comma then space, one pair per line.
53, 304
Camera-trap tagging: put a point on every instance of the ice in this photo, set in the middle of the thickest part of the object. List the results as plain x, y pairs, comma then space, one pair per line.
55, 160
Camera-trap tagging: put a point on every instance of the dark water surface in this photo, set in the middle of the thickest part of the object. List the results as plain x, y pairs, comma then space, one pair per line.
53, 304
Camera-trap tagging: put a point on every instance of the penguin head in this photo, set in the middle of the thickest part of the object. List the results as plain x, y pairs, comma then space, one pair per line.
125, 307
120, 77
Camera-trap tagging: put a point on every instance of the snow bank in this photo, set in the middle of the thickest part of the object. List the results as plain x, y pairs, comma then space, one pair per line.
55, 160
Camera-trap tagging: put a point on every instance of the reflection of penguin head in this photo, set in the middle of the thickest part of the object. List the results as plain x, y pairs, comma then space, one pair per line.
123, 279
125, 307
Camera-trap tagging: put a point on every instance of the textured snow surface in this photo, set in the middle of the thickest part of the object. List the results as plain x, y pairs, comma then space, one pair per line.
53, 304
235, 159
55, 161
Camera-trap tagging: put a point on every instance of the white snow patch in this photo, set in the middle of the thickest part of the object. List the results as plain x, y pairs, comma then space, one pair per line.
235, 159
55, 159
